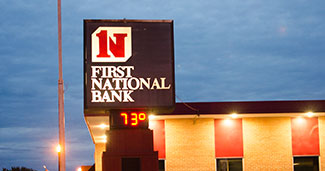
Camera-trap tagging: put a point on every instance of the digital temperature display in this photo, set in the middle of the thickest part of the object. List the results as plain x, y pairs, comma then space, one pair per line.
129, 120
134, 118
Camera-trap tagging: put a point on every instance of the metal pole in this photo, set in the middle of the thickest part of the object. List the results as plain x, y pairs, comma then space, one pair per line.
61, 95
58, 160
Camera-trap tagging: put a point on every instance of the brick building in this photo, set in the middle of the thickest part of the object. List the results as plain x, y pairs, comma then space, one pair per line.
231, 136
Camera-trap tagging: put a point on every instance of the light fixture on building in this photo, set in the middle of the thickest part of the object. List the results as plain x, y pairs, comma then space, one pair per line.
103, 126
151, 117
101, 139
310, 114
234, 115
104, 137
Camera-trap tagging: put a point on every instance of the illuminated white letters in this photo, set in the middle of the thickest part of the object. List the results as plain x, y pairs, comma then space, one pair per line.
116, 84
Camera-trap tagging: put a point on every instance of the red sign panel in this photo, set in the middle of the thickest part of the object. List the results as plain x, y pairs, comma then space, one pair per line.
305, 136
228, 138
158, 127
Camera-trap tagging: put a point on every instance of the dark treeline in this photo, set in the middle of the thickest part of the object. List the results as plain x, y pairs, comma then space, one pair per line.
18, 169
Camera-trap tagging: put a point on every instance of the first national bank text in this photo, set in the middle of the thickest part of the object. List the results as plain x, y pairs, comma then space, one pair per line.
116, 84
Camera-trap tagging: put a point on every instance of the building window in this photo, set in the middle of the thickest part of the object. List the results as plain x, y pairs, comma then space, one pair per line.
229, 164
161, 165
306, 163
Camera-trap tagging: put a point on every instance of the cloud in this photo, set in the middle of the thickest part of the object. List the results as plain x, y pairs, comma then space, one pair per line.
225, 51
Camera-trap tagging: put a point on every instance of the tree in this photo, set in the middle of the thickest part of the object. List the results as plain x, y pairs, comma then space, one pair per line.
18, 169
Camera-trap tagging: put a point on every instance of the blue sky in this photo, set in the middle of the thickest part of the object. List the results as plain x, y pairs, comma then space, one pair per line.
225, 51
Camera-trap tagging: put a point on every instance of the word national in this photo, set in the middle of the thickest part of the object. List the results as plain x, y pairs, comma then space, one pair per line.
116, 84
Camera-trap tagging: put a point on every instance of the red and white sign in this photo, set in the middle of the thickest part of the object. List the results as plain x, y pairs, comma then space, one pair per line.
129, 64
111, 44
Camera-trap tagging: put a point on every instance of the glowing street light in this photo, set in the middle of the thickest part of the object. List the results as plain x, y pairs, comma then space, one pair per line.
58, 148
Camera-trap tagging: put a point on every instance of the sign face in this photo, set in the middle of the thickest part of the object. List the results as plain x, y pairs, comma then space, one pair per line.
128, 64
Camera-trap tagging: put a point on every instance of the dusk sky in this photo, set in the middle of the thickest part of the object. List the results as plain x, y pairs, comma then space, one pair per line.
224, 51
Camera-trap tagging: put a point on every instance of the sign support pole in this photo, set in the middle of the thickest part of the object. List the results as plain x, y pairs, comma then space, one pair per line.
61, 95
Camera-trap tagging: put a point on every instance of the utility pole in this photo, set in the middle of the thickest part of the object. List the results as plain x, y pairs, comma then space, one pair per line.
61, 95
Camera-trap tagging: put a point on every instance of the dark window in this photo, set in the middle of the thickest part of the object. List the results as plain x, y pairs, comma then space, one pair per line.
161, 165
131, 164
229, 165
305, 163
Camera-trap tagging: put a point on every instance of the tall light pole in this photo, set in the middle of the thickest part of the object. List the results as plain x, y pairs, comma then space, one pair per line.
61, 96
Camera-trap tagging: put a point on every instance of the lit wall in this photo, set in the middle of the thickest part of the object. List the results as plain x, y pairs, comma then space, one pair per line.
99, 149
190, 145
322, 142
267, 144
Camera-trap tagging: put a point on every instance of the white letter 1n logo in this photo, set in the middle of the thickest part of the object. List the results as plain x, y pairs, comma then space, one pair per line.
111, 44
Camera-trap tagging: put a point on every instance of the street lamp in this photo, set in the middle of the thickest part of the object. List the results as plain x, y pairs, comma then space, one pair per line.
58, 150
61, 96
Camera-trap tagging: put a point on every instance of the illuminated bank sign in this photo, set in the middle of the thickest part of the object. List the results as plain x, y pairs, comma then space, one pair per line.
128, 64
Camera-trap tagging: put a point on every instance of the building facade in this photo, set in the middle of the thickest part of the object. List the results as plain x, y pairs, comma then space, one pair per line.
250, 136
